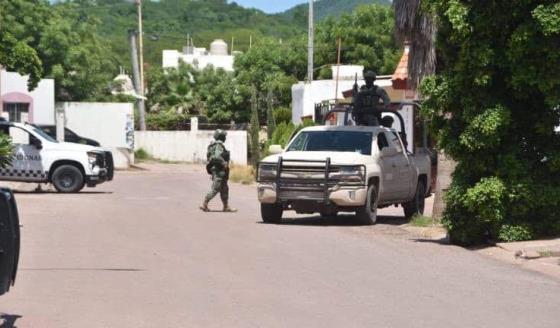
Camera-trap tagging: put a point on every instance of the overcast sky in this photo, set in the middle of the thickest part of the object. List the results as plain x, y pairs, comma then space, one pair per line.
269, 6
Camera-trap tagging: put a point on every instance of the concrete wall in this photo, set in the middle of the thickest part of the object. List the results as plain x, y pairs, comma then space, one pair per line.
189, 146
41, 99
111, 124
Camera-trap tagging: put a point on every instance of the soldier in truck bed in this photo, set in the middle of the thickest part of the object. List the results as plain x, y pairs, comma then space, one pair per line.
366, 101
218, 166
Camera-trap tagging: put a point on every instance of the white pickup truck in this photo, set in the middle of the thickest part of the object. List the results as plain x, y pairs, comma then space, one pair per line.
38, 158
331, 169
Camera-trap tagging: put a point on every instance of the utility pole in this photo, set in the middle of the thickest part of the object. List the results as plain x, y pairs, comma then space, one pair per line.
310, 39
337, 70
137, 80
140, 88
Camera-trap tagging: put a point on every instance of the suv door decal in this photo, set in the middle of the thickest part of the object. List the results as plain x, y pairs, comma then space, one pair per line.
11, 172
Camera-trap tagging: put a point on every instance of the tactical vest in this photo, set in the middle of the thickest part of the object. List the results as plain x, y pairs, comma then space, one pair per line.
212, 163
366, 100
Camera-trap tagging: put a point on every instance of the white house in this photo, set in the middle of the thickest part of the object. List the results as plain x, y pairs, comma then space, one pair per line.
21, 105
200, 58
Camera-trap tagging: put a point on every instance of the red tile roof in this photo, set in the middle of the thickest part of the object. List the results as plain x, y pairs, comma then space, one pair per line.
400, 77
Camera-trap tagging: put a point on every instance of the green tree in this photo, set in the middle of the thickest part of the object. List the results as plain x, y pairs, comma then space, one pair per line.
255, 128
17, 52
63, 41
173, 90
493, 107
367, 36
224, 99
271, 64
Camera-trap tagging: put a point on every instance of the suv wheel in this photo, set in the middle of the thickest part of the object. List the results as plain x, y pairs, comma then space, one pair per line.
416, 205
368, 213
68, 179
271, 213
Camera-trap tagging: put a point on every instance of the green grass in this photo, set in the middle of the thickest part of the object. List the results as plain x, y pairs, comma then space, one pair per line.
242, 174
422, 221
142, 155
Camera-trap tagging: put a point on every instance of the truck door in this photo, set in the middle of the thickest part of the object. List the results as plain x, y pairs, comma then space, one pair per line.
403, 174
26, 162
388, 170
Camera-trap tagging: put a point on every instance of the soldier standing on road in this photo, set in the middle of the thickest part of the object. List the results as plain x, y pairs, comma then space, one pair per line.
218, 166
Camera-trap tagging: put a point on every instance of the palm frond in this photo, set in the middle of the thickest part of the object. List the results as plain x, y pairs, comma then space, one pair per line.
6, 150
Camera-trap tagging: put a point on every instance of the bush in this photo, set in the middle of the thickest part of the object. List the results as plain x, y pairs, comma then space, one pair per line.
507, 182
141, 155
283, 115
166, 120
515, 233
242, 174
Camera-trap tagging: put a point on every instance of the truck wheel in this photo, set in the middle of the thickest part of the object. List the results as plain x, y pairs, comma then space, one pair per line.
368, 213
271, 213
68, 179
416, 205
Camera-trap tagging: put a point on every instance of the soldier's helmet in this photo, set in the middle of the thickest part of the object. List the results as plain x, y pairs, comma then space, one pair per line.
220, 135
370, 75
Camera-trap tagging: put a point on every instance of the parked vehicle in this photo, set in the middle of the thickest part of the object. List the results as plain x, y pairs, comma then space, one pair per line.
39, 158
69, 135
9, 240
331, 169
73, 137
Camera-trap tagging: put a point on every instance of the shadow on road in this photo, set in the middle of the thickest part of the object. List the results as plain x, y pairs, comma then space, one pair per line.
442, 241
343, 220
8, 320
83, 269
38, 192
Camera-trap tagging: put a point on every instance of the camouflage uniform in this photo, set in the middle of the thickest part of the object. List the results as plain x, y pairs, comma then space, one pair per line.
366, 101
218, 167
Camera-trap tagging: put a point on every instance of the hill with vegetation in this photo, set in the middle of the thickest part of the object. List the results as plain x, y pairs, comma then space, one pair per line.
167, 23
326, 8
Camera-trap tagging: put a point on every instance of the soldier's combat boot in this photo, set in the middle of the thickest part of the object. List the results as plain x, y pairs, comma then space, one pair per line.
229, 209
204, 207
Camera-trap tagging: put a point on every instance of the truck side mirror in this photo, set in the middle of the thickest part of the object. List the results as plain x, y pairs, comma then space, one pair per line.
36, 143
275, 149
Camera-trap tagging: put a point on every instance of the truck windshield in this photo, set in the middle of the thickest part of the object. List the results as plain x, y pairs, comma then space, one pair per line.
340, 141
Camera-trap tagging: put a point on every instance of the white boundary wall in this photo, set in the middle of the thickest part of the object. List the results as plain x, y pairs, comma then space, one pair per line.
111, 124
189, 146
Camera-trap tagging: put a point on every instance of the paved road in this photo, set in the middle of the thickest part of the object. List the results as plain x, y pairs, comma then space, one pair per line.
137, 253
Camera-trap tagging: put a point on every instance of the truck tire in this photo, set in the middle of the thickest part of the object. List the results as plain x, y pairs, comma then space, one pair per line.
271, 213
416, 205
368, 213
68, 179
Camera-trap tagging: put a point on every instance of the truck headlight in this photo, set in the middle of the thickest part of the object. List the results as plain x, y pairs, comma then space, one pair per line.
350, 174
266, 172
92, 158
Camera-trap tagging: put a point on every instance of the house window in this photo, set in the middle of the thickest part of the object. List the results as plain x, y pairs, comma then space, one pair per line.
18, 112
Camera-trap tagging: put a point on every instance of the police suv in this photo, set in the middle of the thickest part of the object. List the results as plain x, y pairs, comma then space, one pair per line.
39, 158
